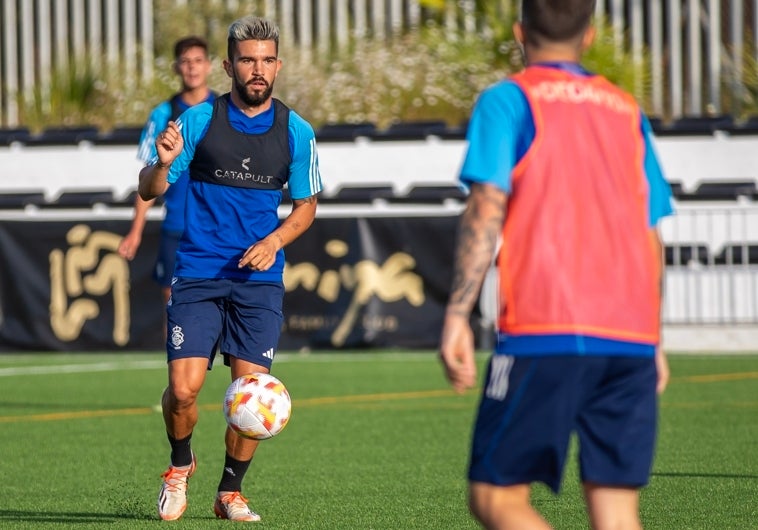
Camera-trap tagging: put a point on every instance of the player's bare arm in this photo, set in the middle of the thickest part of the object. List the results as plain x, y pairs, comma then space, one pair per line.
131, 242
152, 179
262, 255
478, 233
661, 361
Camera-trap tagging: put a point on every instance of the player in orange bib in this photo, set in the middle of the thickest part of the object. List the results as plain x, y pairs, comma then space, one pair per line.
563, 174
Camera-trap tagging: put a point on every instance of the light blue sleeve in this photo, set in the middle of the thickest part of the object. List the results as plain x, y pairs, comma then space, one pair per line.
659, 200
156, 122
500, 131
305, 176
193, 123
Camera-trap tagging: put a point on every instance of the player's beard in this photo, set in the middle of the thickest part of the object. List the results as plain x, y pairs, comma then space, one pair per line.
255, 99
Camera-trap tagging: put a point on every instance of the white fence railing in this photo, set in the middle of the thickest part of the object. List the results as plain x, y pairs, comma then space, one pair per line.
712, 274
695, 47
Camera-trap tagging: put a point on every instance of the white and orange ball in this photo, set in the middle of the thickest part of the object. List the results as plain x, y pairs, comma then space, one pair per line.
257, 406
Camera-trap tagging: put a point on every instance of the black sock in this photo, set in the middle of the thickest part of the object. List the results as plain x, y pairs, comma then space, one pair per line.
181, 454
234, 472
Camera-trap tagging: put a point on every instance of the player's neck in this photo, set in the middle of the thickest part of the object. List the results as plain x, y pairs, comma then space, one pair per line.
249, 110
194, 96
552, 55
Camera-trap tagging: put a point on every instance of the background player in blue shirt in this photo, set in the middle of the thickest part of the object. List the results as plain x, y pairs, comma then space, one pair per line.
227, 292
192, 64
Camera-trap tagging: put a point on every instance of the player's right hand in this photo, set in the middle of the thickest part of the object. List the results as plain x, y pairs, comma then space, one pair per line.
169, 143
457, 352
127, 249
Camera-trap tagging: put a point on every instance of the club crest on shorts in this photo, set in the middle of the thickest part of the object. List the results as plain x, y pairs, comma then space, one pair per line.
177, 337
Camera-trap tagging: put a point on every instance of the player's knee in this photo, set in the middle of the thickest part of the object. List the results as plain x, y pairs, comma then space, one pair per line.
479, 510
181, 395
613, 508
483, 504
497, 507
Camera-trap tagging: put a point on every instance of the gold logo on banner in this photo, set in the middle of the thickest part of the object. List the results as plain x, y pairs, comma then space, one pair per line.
391, 281
81, 270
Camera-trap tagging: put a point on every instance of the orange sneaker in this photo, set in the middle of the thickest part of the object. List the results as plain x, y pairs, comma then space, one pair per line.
172, 499
233, 506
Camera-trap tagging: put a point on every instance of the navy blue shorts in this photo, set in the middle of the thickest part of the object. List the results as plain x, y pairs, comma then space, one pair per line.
239, 318
166, 260
530, 407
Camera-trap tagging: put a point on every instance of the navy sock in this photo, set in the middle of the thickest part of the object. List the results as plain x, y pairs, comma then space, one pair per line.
234, 472
181, 454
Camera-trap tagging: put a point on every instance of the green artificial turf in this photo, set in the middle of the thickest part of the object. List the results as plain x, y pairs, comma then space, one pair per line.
376, 441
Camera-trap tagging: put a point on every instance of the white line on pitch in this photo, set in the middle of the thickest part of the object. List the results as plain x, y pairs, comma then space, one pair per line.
160, 363
82, 368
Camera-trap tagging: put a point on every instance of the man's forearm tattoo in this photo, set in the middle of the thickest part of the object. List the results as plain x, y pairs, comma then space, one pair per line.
478, 234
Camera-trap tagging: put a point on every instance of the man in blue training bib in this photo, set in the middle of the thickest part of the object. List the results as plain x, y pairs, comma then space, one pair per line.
227, 289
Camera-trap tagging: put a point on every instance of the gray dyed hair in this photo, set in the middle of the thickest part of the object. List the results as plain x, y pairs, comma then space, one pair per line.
251, 28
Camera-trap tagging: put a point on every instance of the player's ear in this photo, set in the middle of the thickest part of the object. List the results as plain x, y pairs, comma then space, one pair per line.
518, 33
589, 37
227, 67
175, 67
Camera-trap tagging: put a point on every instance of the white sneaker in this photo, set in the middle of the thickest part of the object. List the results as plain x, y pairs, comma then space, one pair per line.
172, 499
233, 506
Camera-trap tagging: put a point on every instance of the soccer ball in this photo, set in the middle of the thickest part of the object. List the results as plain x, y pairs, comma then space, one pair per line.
257, 406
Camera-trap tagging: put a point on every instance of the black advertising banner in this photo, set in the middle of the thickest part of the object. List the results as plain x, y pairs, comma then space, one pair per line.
368, 282
350, 283
64, 287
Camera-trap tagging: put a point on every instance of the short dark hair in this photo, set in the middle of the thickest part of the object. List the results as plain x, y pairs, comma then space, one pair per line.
251, 28
556, 20
193, 41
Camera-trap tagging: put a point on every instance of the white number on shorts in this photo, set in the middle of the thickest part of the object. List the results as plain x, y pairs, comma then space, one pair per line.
500, 369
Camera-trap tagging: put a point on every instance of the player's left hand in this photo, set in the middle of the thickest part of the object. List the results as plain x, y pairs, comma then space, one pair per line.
662, 367
259, 256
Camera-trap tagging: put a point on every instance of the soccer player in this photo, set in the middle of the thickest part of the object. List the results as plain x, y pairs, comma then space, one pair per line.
193, 65
227, 291
563, 176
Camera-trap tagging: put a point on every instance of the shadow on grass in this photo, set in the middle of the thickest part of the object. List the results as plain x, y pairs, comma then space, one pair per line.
701, 475
68, 517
